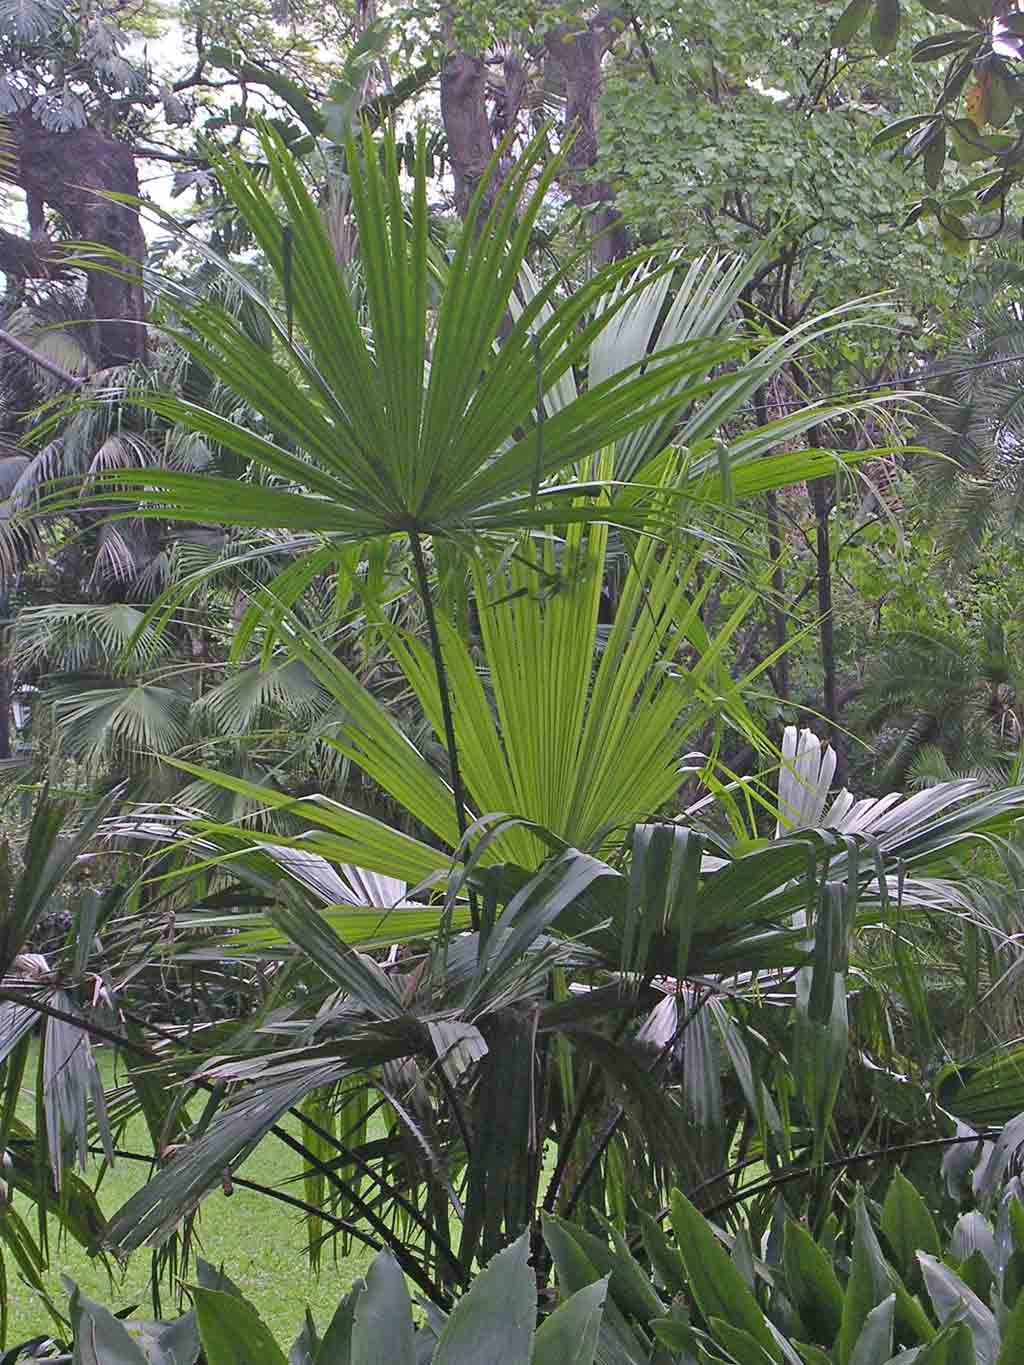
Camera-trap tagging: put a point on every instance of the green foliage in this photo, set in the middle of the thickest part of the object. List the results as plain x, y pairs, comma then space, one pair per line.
808, 1301
743, 134
493, 1321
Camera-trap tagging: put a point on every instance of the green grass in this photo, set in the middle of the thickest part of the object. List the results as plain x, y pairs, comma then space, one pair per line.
259, 1241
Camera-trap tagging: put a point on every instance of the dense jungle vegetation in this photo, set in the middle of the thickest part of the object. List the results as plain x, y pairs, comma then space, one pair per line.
512, 682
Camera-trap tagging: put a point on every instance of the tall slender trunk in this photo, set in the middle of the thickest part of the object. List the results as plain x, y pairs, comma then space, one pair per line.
821, 501
5, 684
780, 671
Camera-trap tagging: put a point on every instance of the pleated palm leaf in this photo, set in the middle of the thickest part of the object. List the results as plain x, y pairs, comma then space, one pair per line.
112, 694
415, 422
559, 719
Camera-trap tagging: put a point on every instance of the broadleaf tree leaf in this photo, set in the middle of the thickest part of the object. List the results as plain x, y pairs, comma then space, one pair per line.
885, 26
849, 23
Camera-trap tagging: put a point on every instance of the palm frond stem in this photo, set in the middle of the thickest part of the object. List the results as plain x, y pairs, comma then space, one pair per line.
72, 381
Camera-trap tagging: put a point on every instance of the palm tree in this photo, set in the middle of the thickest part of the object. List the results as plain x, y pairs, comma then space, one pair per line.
435, 414
945, 704
468, 409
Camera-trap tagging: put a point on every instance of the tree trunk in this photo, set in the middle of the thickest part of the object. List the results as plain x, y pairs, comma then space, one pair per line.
72, 172
578, 52
473, 129
466, 123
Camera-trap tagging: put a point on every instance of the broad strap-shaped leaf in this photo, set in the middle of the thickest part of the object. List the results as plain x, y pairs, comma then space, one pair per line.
908, 1225
495, 1319
663, 893
629, 1284
812, 1283
306, 1345
1012, 1348
336, 1346
716, 1285
232, 1332
868, 1285
102, 1339
665, 1259
821, 1029
570, 1335
382, 1330
875, 1340
576, 1271
952, 1299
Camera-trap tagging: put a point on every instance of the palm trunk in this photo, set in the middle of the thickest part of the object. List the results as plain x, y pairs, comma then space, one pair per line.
458, 792
5, 687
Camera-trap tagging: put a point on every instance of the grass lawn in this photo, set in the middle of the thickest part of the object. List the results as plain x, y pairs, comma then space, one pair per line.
260, 1242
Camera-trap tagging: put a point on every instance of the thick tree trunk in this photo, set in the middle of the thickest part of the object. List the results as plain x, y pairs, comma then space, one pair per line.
473, 128
577, 52
71, 172
467, 124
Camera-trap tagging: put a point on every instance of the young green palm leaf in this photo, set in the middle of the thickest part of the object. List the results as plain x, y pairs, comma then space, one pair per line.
559, 720
420, 422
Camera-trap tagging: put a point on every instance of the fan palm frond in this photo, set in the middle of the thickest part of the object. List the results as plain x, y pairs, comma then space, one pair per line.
136, 721
84, 637
243, 701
